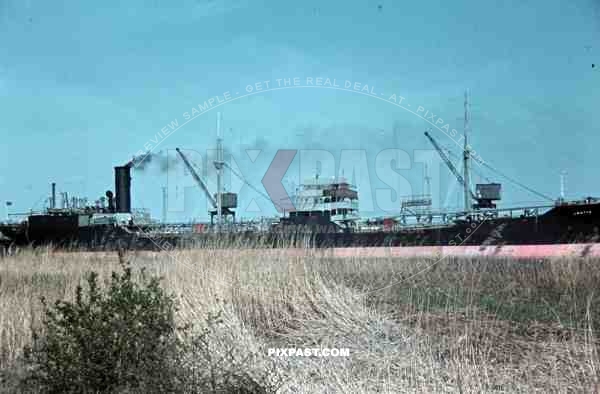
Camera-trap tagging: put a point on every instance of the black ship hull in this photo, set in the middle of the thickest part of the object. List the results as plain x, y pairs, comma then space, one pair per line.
578, 223
569, 223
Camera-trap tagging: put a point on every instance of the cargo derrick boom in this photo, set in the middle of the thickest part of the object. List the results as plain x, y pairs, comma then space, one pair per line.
225, 206
451, 166
485, 194
188, 165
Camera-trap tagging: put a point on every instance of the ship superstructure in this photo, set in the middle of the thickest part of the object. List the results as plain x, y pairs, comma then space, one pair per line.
335, 199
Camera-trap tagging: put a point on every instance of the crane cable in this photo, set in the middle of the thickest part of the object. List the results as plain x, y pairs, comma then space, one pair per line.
251, 186
518, 183
508, 178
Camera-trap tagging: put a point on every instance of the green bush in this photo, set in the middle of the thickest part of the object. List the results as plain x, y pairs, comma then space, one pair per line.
120, 339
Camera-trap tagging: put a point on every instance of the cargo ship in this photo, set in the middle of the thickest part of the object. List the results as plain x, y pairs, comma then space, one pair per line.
325, 215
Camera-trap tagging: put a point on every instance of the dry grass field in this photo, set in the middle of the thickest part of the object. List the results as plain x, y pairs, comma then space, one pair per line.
455, 325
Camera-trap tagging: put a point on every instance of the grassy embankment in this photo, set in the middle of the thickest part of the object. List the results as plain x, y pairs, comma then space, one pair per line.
459, 324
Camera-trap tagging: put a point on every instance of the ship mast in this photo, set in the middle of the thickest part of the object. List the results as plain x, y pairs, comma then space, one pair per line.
164, 205
219, 166
427, 182
466, 154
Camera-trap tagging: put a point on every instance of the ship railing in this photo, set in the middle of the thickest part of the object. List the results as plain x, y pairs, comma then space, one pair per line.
207, 228
312, 182
11, 226
516, 212
585, 201
441, 217
13, 222
369, 229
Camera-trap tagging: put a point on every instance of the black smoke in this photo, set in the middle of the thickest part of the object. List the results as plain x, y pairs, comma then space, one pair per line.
153, 160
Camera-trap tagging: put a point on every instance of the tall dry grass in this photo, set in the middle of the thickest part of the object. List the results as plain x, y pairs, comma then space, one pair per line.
455, 325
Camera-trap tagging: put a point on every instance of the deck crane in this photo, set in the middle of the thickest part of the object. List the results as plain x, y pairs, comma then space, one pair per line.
486, 193
230, 199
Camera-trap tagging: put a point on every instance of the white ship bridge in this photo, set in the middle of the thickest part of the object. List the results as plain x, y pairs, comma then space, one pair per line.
335, 198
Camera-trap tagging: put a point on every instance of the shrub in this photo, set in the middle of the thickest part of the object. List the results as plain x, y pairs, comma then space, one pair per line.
122, 338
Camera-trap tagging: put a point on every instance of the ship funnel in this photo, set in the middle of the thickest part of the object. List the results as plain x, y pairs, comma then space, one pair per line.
123, 189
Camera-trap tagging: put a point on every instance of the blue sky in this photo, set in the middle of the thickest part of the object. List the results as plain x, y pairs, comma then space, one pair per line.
83, 87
